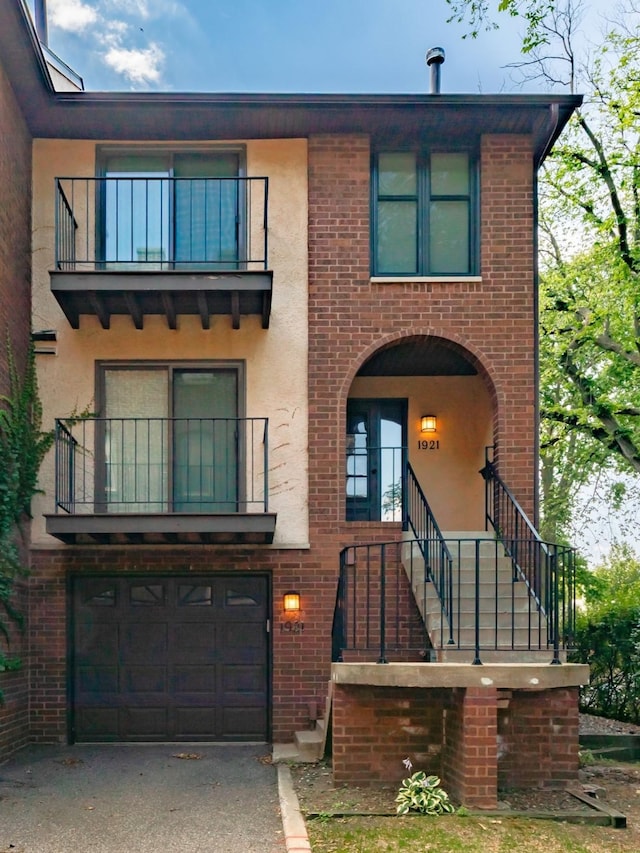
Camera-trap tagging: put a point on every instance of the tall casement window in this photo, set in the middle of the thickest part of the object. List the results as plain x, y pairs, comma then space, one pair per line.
424, 217
171, 438
170, 210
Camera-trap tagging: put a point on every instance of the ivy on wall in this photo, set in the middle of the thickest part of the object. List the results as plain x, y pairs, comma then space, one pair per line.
23, 446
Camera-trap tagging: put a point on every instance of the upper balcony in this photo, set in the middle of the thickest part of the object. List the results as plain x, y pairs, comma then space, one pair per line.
168, 246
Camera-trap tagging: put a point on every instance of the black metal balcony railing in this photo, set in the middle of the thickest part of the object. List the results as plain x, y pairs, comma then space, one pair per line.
160, 223
161, 465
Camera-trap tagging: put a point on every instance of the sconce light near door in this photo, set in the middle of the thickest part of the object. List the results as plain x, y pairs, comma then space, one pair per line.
428, 423
291, 602
292, 619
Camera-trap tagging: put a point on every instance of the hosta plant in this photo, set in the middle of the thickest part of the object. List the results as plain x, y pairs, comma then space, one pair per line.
423, 794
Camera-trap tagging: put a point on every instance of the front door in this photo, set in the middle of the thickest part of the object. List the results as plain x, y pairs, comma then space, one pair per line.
376, 457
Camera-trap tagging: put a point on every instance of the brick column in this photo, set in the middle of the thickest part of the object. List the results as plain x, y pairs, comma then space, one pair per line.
470, 754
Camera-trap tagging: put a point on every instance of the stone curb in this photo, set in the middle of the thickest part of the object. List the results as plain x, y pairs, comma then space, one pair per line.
293, 825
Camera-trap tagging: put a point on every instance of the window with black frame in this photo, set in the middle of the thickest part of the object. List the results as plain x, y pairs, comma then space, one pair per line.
424, 219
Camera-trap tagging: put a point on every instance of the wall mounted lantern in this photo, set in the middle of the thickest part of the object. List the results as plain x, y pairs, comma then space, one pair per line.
292, 621
291, 602
428, 423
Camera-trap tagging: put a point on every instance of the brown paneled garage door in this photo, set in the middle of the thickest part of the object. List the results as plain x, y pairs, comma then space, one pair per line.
170, 658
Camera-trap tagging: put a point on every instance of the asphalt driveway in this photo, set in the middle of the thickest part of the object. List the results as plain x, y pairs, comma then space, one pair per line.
108, 798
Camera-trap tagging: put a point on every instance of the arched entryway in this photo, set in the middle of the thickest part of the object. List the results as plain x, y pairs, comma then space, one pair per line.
393, 390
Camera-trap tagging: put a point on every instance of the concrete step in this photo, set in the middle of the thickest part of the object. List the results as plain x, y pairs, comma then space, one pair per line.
309, 744
285, 753
467, 619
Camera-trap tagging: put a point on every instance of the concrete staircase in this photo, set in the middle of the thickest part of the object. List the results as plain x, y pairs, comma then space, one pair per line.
309, 745
512, 628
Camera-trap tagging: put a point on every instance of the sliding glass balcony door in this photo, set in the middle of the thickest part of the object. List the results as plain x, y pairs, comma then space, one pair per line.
171, 211
171, 440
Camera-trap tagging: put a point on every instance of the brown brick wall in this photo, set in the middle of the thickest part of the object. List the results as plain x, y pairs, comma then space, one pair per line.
15, 231
538, 735
15, 304
374, 729
350, 317
458, 734
469, 760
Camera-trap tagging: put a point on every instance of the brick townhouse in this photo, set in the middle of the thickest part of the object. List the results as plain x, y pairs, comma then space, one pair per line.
288, 347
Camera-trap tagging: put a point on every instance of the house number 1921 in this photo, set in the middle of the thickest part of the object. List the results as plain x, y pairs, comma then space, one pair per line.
429, 444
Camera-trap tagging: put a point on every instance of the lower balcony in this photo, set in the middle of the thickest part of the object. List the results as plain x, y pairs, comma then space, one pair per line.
162, 481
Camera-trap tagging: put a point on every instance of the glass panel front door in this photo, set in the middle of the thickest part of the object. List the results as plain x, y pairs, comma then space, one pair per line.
136, 439
376, 441
171, 211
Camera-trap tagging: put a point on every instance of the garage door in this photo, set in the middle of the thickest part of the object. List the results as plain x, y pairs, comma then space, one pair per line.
170, 658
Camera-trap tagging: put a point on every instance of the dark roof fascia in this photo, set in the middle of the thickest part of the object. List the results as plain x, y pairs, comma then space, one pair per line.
182, 116
166, 116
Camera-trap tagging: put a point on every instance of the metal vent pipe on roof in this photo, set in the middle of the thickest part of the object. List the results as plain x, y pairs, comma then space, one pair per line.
40, 9
435, 58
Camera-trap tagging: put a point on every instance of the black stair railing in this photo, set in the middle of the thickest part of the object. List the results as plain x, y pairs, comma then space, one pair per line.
375, 613
379, 613
438, 562
547, 569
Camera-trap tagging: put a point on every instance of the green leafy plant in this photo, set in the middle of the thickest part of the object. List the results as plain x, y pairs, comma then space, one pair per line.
23, 446
607, 637
423, 794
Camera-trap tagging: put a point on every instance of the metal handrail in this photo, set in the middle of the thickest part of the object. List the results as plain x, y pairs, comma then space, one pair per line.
534, 561
375, 615
438, 561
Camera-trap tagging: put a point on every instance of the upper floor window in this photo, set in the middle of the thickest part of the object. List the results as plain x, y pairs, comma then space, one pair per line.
424, 221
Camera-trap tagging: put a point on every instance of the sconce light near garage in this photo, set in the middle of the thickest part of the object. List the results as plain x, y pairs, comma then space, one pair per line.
291, 602
428, 423
292, 622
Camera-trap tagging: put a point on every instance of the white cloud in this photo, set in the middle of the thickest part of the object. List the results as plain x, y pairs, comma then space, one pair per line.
113, 29
130, 7
72, 15
139, 66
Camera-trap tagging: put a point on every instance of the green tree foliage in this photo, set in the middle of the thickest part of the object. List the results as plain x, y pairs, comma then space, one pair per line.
482, 15
590, 267
590, 253
608, 637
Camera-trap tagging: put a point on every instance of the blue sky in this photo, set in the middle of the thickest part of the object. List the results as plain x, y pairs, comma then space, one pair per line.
276, 45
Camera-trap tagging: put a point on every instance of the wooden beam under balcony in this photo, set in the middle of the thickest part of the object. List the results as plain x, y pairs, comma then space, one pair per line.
167, 293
